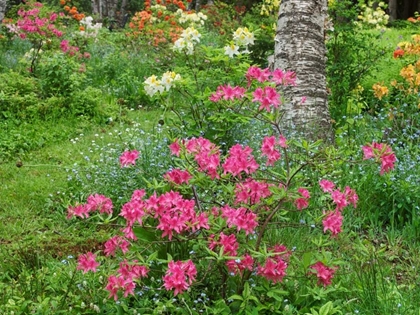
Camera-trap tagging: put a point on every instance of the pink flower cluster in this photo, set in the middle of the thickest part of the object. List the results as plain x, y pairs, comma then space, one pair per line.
205, 153
278, 76
240, 160
237, 266
128, 273
174, 214
334, 219
227, 93
303, 201
114, 243
270, 150
178, 176
380, 152
129, 157
275, 266
251, 191
242, 218
179, 276
266, 96
87, 262
228, 242
323, 273
94, 202
207, 156
31, 23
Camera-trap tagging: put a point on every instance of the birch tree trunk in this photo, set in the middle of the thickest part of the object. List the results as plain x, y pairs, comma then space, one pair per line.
392, 6
300, 47
3, 5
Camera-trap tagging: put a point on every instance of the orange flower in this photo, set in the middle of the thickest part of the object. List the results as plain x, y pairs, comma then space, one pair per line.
412, 20
81, 28
66, 8
398, 53
62, 2
380, 91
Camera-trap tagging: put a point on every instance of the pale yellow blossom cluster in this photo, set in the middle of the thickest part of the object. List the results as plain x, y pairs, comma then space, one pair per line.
373, 18
242, 38
154, 85
270, 7
190, 19
187, 40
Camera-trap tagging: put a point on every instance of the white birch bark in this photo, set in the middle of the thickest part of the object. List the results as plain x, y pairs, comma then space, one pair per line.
3, 5
392, 6
300, 47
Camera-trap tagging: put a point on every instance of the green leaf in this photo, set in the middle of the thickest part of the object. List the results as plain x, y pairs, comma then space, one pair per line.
326, 309
144, 235
236, 297
306, 260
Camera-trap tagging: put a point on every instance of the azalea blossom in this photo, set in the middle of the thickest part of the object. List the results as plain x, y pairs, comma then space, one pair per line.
323, 273
129, 157
87, 262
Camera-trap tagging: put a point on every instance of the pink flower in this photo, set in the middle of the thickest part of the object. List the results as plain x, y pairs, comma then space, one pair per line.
99, 202
242, 218
273, 270
255, 73
175, 148
177, 176
302, 202
64, 45
380, 152
326, 185
179, 276
240, 160
282, 141
129, 157
251, 191
227, 92
283, 253
323, 273
239, 265
351, 196
333, 222
87, 262
283, 78
387, 162
339, 199
229, 243
303, 100
81, 211
114, 243
268, 149
267, 97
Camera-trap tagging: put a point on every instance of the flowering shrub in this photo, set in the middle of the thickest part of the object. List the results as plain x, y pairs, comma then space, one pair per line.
216, 209
373, 18
242, 38
163, 23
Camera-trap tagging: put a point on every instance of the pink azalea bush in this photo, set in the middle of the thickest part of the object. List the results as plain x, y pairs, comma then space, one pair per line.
219, 206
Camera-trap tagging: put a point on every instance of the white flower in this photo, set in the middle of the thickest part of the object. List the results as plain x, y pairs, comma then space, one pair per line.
168, 78
232, 50
243, 37
152, 85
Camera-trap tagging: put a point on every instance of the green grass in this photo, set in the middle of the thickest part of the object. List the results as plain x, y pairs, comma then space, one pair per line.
34, 185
